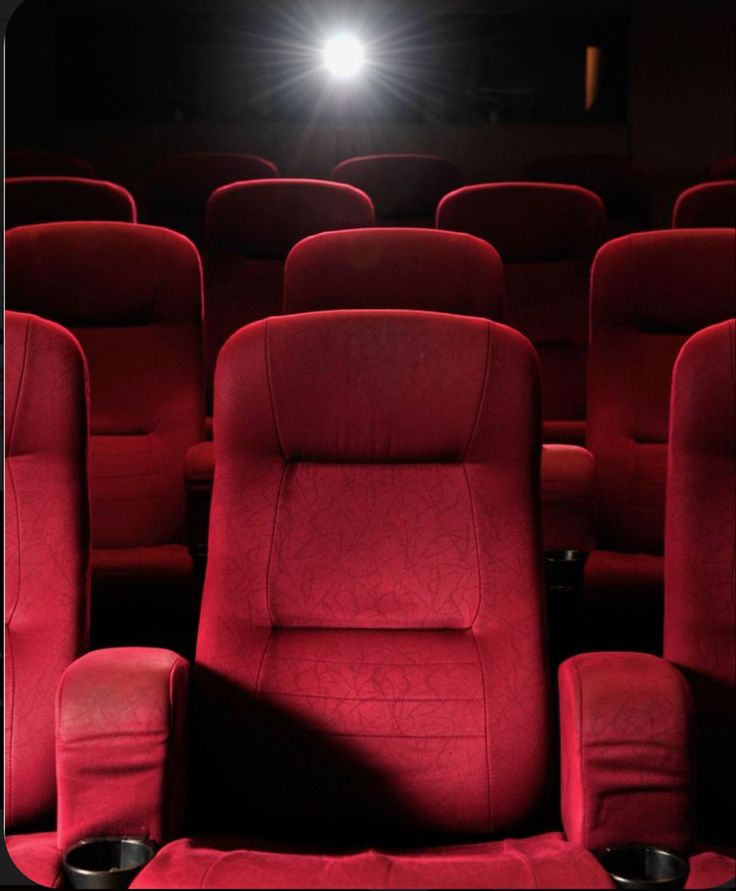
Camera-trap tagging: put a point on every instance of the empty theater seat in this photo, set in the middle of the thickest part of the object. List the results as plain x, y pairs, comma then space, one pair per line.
132, 296
33, 162
46, 565
723, 168
179, 188
622, 183
395, 269
705, 206
650, 292
700, 622
52, 199
251, 227
547, 236
405, 189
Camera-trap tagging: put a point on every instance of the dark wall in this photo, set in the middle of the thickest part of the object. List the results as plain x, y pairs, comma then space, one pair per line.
681, 105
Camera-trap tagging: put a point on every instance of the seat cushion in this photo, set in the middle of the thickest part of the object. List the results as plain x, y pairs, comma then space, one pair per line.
546, 861
623, 602
37, 857
143, 597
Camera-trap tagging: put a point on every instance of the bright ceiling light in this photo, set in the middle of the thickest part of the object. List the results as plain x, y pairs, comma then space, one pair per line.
344, 56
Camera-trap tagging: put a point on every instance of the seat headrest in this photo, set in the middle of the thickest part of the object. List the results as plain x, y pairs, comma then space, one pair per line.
101, 274
186, 181
401, 186
264, 219
528, 222
395, 269
673, 281
706, 205
367, 386
48, 199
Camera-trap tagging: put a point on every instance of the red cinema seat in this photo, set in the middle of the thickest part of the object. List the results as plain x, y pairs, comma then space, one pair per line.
706, 206
250, 229
700, 616
46, 569
370, 659
179, 188
132, 296
650, 292
405, 189
547, 236
622, 183
395, 269
35, 162
54, 199
723, 168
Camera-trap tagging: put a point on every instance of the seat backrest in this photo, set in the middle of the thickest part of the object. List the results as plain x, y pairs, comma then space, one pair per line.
52, 199
250, 229
36, 162
132, 296
706, 206
546, 235
405, 189
649, 293
622, 183
395, 269
723, 168
700, 554
179, 188
46, 551
370, 649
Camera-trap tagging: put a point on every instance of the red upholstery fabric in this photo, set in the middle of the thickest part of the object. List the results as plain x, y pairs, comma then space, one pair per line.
546, 861
649, 293
46, 551
132, 296
179, 188
39, 199
119, 745
395, 269
723, 168
625, 741
250, 229
34, 162
369, 654
568, 498
405, 189
707, 205
546, 235
623, 184
37, 856
564, 432
711, 870
700, 616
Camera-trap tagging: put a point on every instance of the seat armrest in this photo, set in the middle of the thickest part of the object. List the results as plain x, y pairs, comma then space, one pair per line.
625, 724
569, 501
120, 745
199, 471
199, 465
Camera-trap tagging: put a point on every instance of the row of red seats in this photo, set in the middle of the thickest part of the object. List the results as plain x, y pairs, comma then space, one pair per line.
545, 234
132, 294
370, 664
405, 189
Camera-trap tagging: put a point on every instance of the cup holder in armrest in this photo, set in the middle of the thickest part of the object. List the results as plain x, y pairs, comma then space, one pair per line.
640, 867
109, 864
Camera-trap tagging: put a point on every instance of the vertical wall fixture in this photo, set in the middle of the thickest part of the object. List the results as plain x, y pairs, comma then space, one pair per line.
592, 74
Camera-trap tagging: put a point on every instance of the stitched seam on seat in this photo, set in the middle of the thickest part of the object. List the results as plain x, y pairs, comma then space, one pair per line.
271, 548
485, 720
262, 660
521, 856
216, 862
18, 400
483, 388
270, 390
362, 662
579, 723
477, 546
373, 698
